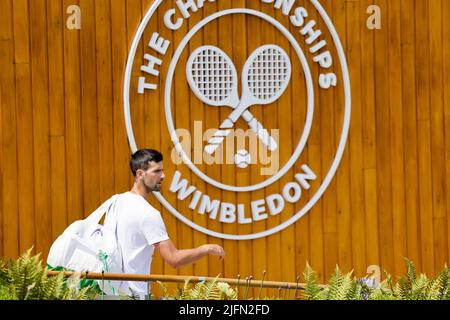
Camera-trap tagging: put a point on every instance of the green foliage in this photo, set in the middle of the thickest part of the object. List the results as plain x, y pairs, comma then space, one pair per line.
207, 290
410, 286
26, 279
312, 290
340, 287
6, 293
418, 287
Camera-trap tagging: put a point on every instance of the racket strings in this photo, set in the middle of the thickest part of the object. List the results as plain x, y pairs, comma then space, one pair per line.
267, 74
213, 75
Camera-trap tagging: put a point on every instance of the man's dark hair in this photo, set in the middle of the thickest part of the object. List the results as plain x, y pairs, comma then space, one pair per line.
141, 159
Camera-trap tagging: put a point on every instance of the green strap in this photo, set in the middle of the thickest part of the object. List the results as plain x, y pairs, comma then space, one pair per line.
89, 282
84, 283
103, 258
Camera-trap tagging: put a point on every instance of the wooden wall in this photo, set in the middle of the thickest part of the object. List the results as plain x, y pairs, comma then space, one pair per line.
64, 149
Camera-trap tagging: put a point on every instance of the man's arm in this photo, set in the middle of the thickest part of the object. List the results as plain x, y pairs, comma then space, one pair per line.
179, 258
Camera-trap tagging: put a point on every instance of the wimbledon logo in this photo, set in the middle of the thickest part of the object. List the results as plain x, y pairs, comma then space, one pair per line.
256, 102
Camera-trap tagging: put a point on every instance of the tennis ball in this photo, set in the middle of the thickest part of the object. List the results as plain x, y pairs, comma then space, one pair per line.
242, 159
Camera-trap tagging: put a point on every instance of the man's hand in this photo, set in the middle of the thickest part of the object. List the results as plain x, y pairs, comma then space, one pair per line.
215, 250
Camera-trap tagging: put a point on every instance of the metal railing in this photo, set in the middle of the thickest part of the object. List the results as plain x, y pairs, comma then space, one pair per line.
247, 282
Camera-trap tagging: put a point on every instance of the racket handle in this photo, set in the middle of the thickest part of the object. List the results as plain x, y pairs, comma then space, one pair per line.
259, 129
216, 140
254, 124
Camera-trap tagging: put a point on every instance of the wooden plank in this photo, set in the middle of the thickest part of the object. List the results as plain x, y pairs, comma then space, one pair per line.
21, 31
259, 246
396, 131
1, 179
152, 101
316, 232
299, 109
353, 51
425, 193
213, 120
372, 236
270, 120
152, 111
197, 112
166, 142
58, 186
104, 98
437, 129
226, 43
317, 237
25, 175
285, 114
424, 136
6, 18
10, 209
369, 139
240, 54
135, 13
121, 157
317, 260
368, 88
183, 121
410, 131
55, 30
1, 175
446, 79
437, 108
440, 236
72, 101
384, 168
89, 109
24, 113
55, 27
41, 130
328, 149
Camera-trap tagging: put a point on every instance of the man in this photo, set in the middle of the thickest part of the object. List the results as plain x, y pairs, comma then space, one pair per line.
140, 227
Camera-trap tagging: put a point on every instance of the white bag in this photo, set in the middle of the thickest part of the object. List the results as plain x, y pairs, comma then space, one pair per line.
86, 245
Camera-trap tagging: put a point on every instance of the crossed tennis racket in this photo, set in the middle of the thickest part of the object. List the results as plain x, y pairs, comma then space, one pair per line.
213, 78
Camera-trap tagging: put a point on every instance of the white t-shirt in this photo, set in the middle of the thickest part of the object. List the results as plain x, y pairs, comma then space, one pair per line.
139, 227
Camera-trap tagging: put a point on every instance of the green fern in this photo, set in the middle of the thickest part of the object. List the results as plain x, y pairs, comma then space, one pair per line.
211, 291
52, 287
444, 290
407, 284
6, 293
355, 291
338, 286
417, 287
184, 294
207, 290
414, 287
411, 286
312, 290
226, 292
341, 287
24, 274
26, 279
433, 289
